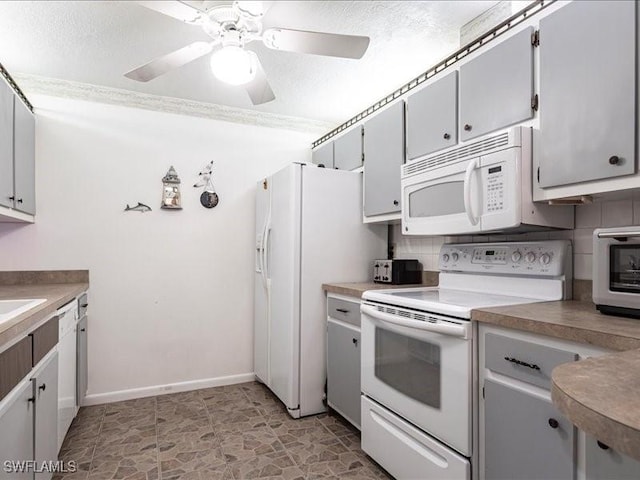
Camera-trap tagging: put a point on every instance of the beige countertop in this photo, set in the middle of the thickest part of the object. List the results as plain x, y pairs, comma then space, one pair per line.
599, 394
568, 320
356, 289
56, 294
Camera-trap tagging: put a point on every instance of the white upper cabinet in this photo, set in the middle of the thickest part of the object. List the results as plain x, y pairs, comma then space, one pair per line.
587, 92
347, 150
384, 156
432, 117
24, 158
6, 145
323, 155
496, 87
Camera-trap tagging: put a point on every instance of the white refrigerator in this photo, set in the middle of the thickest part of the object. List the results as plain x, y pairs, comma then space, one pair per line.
309, 231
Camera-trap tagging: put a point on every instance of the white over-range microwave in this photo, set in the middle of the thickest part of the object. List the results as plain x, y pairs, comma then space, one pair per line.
480, 186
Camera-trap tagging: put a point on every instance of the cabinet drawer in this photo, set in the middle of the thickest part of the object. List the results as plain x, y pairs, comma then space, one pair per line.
15, 364
344, 310
44, 338
525, 361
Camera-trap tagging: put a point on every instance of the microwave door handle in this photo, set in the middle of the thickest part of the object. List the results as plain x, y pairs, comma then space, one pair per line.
626, 233
468, 208
451, 330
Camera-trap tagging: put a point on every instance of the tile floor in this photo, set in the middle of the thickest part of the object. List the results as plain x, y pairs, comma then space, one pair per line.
232, 432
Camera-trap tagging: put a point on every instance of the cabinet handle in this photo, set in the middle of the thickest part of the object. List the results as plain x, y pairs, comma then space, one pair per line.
603, 446
83, 329
396, 203
43, 387
32, 400
446, 136
355, 341
84, 305
342, 310
19, 200
521, 363
12, 198
467, 127
553, 423
615, 160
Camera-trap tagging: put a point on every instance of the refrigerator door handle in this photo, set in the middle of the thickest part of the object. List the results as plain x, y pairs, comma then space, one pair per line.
265, 251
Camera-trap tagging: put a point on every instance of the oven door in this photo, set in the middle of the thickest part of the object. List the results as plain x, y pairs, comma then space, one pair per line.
421, 370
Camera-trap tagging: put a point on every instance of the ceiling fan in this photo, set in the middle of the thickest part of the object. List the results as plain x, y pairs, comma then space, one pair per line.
231, 26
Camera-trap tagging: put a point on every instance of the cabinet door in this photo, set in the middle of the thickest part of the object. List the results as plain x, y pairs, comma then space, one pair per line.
432, 117
45, 385
347, 150
25, 158
525, 437
15, 364
496, 87
6, 144
16, 432
604, 463
384, 156
82, 364
587, 92
323, 155
343, 370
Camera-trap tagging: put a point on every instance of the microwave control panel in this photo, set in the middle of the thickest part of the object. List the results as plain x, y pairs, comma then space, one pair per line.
494, 181
543, 258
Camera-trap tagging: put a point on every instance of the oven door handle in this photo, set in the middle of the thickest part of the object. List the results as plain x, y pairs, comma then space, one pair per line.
451, 330
468, 208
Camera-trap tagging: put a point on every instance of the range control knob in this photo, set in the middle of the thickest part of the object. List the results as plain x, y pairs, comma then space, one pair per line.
455, 257
516, 256
530, 257
445, 257
545, 259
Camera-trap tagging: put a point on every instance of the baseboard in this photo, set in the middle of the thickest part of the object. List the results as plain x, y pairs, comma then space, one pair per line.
117, 396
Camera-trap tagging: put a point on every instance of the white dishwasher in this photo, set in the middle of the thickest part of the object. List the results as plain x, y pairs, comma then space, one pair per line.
68, 316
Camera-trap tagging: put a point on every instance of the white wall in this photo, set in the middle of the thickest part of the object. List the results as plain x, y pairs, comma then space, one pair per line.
612, 213
171, 291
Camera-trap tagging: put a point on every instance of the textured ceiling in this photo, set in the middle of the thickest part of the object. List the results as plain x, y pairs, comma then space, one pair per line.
95, 42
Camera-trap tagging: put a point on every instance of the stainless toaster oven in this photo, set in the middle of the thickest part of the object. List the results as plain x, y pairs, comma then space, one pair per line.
616, 270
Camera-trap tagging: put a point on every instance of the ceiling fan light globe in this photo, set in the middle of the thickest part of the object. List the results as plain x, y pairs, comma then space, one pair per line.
234, 65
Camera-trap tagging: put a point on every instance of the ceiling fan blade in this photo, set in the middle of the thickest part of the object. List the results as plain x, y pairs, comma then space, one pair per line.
174, 8
170, 61
259, 89
317, 43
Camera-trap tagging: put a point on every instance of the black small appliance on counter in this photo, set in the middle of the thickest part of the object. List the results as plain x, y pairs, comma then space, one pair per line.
397, 272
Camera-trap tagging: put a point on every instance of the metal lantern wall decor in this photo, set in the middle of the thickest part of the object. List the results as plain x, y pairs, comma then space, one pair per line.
171, 191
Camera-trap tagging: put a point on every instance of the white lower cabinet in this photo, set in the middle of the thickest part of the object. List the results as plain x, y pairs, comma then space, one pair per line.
522, 435
343, 357
45, 392
29, 424
16, 431
604, 463
401, 448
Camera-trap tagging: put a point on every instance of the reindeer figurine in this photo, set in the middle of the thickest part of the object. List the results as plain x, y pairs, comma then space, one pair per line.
209, 197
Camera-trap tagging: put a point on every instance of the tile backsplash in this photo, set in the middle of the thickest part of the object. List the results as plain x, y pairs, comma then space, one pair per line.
614, 213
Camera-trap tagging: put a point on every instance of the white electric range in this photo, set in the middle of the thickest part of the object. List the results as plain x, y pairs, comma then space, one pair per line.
418, 369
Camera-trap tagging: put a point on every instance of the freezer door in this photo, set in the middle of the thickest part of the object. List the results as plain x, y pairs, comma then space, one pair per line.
282, 266
261, 286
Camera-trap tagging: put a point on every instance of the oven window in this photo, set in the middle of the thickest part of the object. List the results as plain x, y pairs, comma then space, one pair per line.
408, 365
437, 200
624, 268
